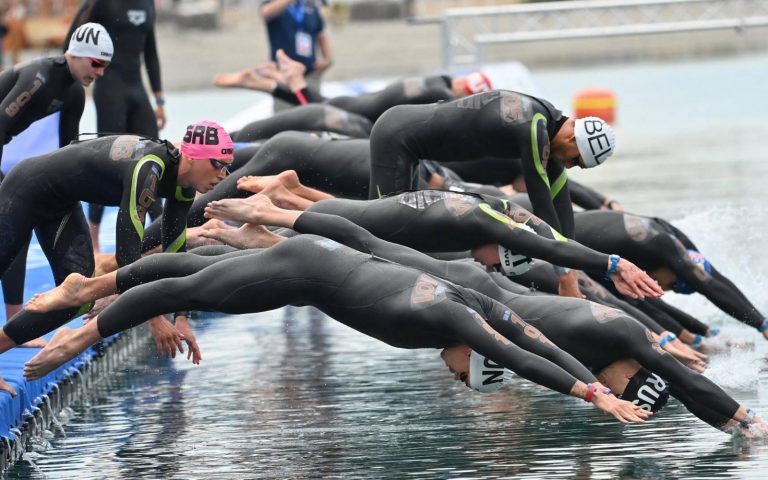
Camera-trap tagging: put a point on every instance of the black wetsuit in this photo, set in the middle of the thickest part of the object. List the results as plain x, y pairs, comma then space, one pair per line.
596, 334
653, 243
29, 92
44, 194
498, 123
401, 306
542, 278
440, 221
338, 167
671, 318
122, 105
307, 118
409, 91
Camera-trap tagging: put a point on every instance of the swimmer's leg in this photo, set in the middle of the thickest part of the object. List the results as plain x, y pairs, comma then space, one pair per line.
67, 244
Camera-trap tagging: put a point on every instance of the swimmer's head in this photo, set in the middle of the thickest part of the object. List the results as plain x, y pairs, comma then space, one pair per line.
496, 258
699, 262
89, 53
206, 139
512, 264
206, 153
476, 371
595, 140
475, 82
633, 383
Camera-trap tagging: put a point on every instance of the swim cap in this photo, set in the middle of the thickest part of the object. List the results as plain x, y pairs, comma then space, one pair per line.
701, 263
91, 40
513, 264
595, 140
477, 82
484, 375
207, 139
646, 390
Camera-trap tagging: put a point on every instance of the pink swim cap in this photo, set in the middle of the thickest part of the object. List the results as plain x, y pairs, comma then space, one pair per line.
207, 140
477, 82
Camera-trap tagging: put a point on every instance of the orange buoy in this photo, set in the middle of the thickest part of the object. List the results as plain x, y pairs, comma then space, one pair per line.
597, 102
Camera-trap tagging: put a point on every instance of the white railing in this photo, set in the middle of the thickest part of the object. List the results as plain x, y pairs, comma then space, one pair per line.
466, 32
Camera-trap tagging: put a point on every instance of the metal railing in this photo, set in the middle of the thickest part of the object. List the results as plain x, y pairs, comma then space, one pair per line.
466, 32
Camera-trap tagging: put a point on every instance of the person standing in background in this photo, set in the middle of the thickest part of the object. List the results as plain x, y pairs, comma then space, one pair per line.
122, 104
297, 27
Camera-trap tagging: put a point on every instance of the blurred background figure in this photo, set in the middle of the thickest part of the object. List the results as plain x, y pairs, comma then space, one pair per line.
297, 27
122, 104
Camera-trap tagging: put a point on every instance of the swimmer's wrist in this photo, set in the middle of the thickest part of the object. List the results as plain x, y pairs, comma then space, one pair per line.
763, 327
667, 338
613, 265
160, 101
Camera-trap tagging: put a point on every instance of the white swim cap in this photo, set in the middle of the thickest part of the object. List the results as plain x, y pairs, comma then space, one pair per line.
513, 263
484, 375
91, 40
595, 140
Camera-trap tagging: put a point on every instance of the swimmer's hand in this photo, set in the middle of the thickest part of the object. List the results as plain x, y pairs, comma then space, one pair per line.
610, 204
689, 360
5, 386
193, 349
99, 306
167, 337
621, 410
633, 282
569, 285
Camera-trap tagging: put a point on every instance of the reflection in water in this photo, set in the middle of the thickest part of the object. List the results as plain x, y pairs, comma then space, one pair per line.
292, 394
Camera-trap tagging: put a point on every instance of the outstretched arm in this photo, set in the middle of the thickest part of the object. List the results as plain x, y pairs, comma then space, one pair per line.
536, 364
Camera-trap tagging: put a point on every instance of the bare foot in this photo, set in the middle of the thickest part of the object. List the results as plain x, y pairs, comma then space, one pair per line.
269, 70
64, 296
36, 343
292, 70
248, 236
278, 189
57, 352
247, 210
105, 263
195, 237
245, 79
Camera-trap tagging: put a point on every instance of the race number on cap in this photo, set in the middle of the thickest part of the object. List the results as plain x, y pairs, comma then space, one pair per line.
513, 264
207, 140
595, 140
91, 40
484, 374
477, 82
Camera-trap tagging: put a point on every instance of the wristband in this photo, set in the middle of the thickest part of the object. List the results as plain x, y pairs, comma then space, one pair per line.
607, 391
160, 102
748, 419
667, 339
614, 266
697, 340
302, 99
763, 327
182, 314
591, 389
712, 332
